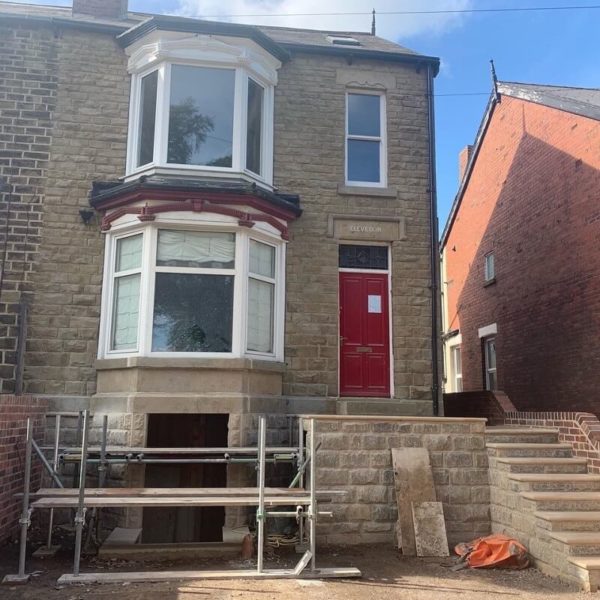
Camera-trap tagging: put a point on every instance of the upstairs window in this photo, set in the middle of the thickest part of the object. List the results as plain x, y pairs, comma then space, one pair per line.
366, 160
201, 107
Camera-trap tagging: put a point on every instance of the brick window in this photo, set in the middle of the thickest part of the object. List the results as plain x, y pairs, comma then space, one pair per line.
489, 349
490, 267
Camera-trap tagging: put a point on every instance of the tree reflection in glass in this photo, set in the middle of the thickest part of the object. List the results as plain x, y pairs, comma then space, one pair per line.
201, 116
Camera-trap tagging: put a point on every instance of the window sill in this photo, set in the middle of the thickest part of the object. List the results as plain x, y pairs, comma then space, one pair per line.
155, 362
352, 190
489, 282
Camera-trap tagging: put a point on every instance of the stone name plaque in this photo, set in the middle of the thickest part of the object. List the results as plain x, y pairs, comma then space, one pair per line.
380, 230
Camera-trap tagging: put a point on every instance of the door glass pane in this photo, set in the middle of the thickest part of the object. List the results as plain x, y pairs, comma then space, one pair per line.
364, 114
147, 119
363, 257
195, 249
192, 313
253, 135
125, 312
260, 316
262, 259
201, 116
129, 253
363, 161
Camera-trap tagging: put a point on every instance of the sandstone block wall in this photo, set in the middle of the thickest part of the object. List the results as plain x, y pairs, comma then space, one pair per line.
355, 457
309, 159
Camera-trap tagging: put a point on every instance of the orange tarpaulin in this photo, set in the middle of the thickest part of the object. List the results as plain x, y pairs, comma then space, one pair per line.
494, 551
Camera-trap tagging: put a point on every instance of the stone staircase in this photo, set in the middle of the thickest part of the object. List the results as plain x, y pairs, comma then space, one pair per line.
544, 496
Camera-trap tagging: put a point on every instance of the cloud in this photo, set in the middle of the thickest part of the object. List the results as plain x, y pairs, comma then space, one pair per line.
394, 27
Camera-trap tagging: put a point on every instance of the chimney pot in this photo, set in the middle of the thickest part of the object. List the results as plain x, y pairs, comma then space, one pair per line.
104, 9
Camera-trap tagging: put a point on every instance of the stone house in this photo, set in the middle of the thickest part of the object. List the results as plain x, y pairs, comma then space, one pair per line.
520, 266
209, 220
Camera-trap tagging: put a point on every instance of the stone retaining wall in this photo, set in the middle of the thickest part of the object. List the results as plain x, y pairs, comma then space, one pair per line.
355, 457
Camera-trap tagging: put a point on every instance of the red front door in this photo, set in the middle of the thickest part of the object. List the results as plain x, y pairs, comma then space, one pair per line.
364, 335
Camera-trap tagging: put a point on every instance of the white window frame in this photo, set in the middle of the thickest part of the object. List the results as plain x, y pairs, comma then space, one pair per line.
488, 369
161, 127
489, 266
456, 373
382, 139
240, 272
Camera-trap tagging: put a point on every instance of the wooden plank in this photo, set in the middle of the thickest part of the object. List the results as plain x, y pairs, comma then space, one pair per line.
430, 529
123, 450
164, 492
413, 480
113, 502
144, 576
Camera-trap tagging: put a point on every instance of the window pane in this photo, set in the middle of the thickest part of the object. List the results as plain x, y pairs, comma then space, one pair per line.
195, 249
192, 313
364, 114
363, 257
253, 135
147, 119
125, 312
457, 361
129, 253
201, 116
489, 267
491, 354
363, 161
492, 385
262, 259
260, 316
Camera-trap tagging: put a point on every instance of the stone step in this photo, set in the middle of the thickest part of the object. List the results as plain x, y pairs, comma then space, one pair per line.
549, 450
589, 571
568, 520
578, 543
560, 482
539, 465
521, 435
559, 501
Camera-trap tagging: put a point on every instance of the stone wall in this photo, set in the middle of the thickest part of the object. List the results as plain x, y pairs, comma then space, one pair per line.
14, 412
309, 159
355, 457
28, 82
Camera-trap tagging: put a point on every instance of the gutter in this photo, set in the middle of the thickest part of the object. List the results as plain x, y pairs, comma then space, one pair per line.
433, 231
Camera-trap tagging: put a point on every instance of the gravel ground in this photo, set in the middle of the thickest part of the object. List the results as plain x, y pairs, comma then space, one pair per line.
385, 575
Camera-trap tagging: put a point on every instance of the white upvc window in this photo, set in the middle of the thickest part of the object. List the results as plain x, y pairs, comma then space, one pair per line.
491, 382
201, 119
457, 368
181, 289
366, 144
490, 266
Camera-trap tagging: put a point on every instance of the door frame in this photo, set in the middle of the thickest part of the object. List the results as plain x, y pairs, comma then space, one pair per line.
387, 272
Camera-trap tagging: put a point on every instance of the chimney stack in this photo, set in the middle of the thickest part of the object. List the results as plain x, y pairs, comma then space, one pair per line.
463, 160
102, 9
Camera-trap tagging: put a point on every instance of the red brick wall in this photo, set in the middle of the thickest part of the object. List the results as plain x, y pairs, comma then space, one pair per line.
581, 430
480, 404
534, 200
14, 411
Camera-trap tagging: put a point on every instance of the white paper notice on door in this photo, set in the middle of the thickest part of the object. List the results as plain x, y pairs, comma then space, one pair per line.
374, 304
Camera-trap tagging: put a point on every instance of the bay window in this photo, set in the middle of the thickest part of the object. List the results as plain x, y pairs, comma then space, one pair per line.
177, 290
211, 118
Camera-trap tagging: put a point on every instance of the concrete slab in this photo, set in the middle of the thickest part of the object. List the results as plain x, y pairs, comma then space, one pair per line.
413, 480
45, 551
430, 529
16, 579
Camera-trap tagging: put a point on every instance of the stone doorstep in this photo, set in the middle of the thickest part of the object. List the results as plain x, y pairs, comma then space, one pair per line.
517, 430
552, 482
527, 445
504, 465
557, 450
588, 571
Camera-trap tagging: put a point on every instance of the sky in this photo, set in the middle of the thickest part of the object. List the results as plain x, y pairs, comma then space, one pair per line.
553, 47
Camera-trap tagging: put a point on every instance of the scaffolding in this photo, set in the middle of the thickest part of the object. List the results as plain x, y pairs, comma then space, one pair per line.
269, 502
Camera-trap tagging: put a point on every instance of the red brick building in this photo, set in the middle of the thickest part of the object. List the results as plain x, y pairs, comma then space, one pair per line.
521, 252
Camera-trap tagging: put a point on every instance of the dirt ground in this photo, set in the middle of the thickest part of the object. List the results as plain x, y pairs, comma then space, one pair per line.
385, 575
